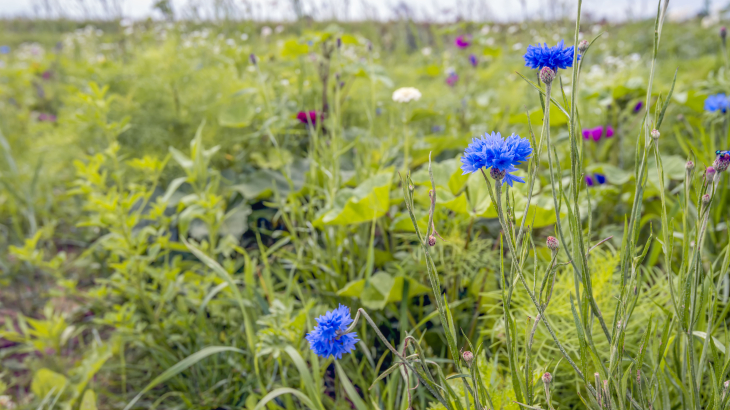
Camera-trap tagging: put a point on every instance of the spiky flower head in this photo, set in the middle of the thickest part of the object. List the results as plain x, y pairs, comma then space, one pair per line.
717, 102
583, 46
547, 378
655, 134
722, 161
328, 339
556, 57
547, 75
468, 357
499, 154
552, 243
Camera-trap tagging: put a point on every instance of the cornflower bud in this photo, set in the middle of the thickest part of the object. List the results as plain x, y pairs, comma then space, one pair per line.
467, 356
583, 46
689, 166
552, 243
547, 75
547, 378
655, 134
710, 174
431, 240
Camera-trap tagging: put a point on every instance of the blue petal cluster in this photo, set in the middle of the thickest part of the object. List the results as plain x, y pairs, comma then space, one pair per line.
492, 151
328, 338
540, 56
717, 102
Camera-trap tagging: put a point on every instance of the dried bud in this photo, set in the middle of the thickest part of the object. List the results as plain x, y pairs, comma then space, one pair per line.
552, 243
706, 199
547, 378
689, 166
710, 174
431, 240
547, 75
468, 357
583, 46
496, 174
655, 134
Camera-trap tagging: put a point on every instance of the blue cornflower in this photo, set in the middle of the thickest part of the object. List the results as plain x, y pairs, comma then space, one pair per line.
328, 338
552, 57
717, 102
492, 151
509, 178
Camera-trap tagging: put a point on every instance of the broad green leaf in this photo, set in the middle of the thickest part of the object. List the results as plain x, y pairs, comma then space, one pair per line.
479, 204
88, 402
353, 206
293, 49
45, 380
383, 289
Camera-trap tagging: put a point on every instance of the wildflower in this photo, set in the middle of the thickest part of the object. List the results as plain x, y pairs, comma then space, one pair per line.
47, 75
406, 94
722, 161
597, 132
689, 166
328, 339
553, 57
473, 60
279, 29
655, 134
547, 378
43, 117
339, 42
462, 41
252, 58
426, 51
4, 49
6, 402
589, 180
583, 46
710, 174
600, 178
307, 117
266, 31
717, 102
547, 75
638, 106
552, 243
468, 357
492, 151
452, 79
244, 37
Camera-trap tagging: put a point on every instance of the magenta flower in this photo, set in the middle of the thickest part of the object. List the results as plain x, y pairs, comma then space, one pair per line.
452, 79
463, 41
47, 75
597, 132
307, 117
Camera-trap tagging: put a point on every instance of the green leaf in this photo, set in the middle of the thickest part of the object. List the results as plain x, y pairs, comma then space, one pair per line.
181, 366
88, 402
383, 289
46, 380
285, 390
353, 206
349, 388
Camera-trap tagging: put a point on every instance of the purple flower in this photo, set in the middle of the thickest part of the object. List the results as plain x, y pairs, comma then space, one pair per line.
463, 41
589, 180
473, 60
597, 132
638, 106
47, 74
44, 117
307, 117
452, 79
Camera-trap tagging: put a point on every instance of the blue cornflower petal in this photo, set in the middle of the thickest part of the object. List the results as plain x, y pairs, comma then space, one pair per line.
509, 178
717, 102
559, 56
327, 339
601, 179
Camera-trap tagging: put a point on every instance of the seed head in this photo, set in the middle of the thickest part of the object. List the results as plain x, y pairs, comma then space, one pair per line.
547, 75
468, 357
552, 243
710, 174
431, 240
583, 46
655, 134
547, 378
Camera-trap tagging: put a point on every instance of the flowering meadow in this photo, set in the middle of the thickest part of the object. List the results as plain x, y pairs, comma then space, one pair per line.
371, 216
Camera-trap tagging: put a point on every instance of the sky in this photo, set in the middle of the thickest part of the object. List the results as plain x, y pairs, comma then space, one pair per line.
432, 10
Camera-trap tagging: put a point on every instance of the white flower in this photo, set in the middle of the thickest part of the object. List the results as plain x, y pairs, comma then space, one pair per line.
6, 403
279, 29
406, 94
266, 31
231, 42
426, 51
244, 37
